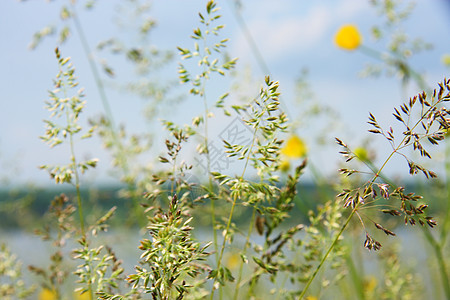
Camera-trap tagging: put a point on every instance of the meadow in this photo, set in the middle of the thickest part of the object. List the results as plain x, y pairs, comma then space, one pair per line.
230, 198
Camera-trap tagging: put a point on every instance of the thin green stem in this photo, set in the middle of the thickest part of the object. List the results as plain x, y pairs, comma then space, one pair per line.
173, 183
75, 171
324, 258
446, 225
109, 116
230, 217
227, 229
208, 158
356, 278
375, 170
253, 46
213, 220
438, 245
80, 207
252, 284
396, 61
281, 290
377, 174
244, 251
210, 180
77, 187
94, 70
438, 250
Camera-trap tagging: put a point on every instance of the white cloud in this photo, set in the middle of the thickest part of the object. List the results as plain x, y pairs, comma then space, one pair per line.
277, 36
290, 28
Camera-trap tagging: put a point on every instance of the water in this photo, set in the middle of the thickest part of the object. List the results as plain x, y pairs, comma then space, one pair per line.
414, 253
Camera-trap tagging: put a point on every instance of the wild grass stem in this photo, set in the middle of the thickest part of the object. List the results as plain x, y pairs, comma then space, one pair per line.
77, 181
230, 217
77, 187
356, 278
354, 210
244, 251
440, 258
208, 167
438, 243
122, 159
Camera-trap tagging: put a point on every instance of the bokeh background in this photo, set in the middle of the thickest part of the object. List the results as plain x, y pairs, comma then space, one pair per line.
293, 41
327, 92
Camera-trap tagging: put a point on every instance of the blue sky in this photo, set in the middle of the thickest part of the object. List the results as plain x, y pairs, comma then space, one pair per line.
291, 35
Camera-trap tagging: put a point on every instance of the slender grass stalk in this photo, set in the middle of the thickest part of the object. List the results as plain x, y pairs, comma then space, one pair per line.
253, 46
354, 210
438, 244
244, 251
77, 187
336, 239
95, 73
439, 253
446, 225
208, 166
213, 220
235, 197
282, 286
356, 278
208, 156
73, 159
379, 56
77, 183
261, 62
253, 280
109, 115
434, 243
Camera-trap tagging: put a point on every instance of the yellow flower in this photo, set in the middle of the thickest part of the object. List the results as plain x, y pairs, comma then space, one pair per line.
84, 296
446, 59
233, 261
311, 298
348, 37
370, 284
285, 165
361, 153
294, 148
47, 294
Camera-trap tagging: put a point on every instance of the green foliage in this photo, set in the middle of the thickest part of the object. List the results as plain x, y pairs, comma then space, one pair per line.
169, 257
69, 107
431, 126
12, 284
54, 275
277, 253
103, 271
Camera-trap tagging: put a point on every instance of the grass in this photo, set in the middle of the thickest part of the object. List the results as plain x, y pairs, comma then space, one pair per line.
260, 233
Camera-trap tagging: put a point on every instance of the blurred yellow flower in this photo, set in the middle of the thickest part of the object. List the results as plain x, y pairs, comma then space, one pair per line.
47, 294
370, 284
84, 296
233, 261
285, 165
294, 148
348, 37
312, 298
361, 153
446, 59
